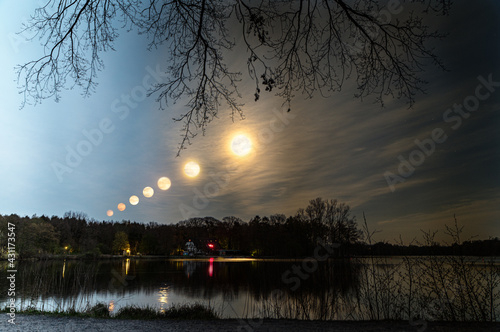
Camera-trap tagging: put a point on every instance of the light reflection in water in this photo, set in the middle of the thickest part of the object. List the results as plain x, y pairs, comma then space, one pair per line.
189, 268
211, 267
127, 265
163, 298
64, 268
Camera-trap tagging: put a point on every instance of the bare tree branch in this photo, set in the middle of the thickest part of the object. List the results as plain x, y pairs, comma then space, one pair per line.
305, 47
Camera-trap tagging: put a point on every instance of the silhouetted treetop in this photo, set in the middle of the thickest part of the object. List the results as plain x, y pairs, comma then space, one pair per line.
306, 47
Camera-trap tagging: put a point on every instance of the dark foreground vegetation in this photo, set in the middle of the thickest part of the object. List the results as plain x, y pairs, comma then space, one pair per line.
100, 310
323, 221
50, 323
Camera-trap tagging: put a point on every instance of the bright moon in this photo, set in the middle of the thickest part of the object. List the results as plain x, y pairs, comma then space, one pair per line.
241, 145
121, 207
134, 200
148, 192
192, 169
164, 183
109, 213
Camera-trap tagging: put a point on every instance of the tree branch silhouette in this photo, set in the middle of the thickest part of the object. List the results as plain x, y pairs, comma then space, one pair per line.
305, 47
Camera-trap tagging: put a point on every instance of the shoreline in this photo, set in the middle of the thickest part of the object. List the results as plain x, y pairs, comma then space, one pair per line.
40, 322
253, 258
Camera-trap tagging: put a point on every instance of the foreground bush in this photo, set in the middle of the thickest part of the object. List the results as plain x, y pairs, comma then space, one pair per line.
100, 310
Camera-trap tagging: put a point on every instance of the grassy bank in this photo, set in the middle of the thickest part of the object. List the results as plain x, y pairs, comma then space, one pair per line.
100, 310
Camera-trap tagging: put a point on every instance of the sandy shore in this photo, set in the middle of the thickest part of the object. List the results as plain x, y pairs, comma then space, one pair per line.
72, 324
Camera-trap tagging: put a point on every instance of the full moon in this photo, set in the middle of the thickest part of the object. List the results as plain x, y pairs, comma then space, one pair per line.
192, 169
121, 207
148, 192
164, 183
241, 145
109, 213
134, 200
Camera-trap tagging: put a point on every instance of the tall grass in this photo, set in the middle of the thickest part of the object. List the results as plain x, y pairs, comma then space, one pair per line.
444, 288
45, 280
451, 288
100, 310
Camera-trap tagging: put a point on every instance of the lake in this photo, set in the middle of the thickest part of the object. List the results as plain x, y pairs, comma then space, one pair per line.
363, 288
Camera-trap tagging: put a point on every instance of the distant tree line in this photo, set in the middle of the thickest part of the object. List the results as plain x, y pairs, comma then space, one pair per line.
325, 221
490, 247
322, 222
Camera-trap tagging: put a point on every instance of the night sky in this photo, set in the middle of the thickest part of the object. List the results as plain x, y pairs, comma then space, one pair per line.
336, 147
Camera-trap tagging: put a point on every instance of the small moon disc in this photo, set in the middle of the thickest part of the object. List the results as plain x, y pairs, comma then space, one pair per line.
241, 145
121, 207
109, 213
192, 169
164, 183
148, 192
134, 200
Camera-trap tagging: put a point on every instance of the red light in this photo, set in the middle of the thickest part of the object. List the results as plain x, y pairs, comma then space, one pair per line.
211, 245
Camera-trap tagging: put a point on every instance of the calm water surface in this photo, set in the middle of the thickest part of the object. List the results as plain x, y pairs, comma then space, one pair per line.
235, 288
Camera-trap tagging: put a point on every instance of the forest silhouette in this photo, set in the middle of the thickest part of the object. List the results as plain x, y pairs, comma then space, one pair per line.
322, 222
